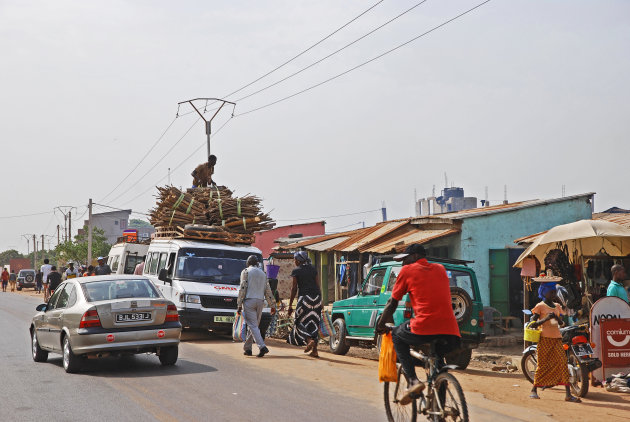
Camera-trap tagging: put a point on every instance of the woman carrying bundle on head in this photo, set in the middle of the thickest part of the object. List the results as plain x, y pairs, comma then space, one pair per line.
309, 305
552, 366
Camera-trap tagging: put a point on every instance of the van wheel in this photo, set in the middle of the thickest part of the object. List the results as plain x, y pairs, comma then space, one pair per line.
462, 304
338, 344
168, 355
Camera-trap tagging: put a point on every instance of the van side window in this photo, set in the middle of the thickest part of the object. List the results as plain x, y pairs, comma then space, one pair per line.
374, 282
155, 257
114, 264
461, 279
147, 264
162, 264
171, 264
393, 274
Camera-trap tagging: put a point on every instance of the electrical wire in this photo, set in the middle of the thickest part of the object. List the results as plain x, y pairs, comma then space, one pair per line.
158, 161
364, 63
141, 160
332, 216
119, 209
333, 53
24, 215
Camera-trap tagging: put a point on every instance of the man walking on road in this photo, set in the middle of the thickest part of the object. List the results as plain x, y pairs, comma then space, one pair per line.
46, 269
12, 280
54, 280
5, 279
102, 268
253, 291
71, 272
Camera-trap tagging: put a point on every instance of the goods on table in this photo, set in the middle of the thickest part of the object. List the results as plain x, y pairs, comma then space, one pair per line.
210, 213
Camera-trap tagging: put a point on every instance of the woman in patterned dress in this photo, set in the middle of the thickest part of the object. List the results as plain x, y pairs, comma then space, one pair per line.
309, 305
552, 367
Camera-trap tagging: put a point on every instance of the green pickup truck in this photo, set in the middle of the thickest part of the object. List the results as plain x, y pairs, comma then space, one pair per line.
354, 318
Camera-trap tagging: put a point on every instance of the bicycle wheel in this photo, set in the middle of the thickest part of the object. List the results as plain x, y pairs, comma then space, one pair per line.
392, 393
451, 403
529, 362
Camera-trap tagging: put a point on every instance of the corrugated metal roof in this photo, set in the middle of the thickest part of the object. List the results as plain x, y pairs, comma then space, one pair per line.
478, 212
400, 242
373, 233
619, 218
326, 244
318, 239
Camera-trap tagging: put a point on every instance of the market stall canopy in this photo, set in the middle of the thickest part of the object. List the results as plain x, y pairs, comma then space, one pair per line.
584, 237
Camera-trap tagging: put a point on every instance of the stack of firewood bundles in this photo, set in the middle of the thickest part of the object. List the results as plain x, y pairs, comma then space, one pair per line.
210, 213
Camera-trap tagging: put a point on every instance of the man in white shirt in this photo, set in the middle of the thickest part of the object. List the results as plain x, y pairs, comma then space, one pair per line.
45, 269
71, 272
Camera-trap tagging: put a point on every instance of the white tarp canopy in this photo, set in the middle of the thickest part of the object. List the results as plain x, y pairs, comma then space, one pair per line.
584, 237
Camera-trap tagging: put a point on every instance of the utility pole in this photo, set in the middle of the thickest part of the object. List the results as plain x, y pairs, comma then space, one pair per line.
169, 175
28, 243
70, 225
34, 251
58, 234
65, 227
66, 216
43, 247
89, 253
207, 121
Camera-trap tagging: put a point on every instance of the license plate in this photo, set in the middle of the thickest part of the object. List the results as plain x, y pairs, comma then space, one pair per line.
229, 319
582, 349
133, 317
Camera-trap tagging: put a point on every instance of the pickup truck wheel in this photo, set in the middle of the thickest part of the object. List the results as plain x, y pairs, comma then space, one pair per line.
459, 357
338, 343
462, 304
39, 355
168, 355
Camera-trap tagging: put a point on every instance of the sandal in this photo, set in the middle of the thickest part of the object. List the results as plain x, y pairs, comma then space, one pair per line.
534, 396
309, 346
573, 399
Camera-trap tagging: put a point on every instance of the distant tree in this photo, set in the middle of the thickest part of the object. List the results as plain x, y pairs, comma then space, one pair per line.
76, 250
8, 255
136, 223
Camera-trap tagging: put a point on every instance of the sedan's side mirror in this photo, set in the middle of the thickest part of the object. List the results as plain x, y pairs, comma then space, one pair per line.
41, 308
163, 275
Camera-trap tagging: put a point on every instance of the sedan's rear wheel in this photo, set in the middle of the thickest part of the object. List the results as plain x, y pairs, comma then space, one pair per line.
70, 360
39, 355
168, 355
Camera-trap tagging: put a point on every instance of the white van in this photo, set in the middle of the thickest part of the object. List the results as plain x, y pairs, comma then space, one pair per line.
202, 278
124, 256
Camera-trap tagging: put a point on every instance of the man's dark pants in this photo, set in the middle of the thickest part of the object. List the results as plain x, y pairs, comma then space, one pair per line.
403, 338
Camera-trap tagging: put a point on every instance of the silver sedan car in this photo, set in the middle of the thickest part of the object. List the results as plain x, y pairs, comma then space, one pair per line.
92, 317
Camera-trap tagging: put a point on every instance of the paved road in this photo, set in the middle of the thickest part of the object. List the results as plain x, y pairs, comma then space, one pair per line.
202, 386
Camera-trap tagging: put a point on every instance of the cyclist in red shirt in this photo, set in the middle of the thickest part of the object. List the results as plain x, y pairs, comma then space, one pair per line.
430, 295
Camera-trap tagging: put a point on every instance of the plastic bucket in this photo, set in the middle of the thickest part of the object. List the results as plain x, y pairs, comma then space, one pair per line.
531, 335
272, 271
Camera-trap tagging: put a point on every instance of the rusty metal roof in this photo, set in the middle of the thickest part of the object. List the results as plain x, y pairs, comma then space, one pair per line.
372, 233
400, 242
326, 244
619, 218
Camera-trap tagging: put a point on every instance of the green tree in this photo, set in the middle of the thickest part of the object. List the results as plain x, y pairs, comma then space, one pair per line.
76, 250
136, 223
8, 255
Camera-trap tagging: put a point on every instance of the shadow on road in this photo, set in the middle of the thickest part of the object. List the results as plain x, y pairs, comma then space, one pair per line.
137, 367
492, 374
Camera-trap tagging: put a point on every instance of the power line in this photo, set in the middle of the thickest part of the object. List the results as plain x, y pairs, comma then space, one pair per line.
119, 209
141, 160
158, 161
364, 63
333, 53
333, 216
25, 215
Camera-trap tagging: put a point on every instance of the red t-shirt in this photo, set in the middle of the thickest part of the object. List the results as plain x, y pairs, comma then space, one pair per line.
430, 296
5, 276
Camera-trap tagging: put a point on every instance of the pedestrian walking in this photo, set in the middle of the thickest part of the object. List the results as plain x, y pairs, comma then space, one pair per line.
54, 280
254, 289
71, 272
38, 281
46, 269
308, 310
551, 369
12, 280
103, 267
5, 279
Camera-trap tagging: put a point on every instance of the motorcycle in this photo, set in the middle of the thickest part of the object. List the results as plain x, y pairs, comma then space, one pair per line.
580, 360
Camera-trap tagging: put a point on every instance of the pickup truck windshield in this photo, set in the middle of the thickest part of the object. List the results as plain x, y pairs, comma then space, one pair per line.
211, 265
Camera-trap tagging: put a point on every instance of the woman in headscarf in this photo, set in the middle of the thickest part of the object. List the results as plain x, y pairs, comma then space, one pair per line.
552, 359
309, 305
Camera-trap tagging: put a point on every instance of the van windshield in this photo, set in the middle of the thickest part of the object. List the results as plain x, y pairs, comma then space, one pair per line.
211, 265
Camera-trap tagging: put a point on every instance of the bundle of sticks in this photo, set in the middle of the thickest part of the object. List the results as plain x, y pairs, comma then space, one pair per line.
210, 206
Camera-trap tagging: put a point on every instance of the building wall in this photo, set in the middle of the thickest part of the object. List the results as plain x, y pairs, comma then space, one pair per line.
498, 231
112, 223
265, 240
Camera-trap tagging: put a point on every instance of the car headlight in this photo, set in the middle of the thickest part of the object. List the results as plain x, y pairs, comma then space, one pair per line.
193, 299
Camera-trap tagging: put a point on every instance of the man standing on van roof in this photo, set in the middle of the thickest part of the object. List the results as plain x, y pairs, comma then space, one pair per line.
253, 291
103, 267
202, 175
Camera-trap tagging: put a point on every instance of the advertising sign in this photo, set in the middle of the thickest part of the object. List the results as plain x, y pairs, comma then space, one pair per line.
615, 341
606, 308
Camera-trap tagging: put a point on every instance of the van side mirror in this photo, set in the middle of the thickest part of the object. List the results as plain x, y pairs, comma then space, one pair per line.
41, 307
163, 275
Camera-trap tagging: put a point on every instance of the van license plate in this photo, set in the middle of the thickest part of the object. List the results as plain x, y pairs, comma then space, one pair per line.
229, 319
133, 317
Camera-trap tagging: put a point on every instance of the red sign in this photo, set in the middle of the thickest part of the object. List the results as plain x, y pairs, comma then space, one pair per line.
161, 334
615, 341
110, 337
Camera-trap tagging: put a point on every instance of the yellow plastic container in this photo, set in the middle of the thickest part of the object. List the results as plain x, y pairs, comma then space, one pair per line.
531, 335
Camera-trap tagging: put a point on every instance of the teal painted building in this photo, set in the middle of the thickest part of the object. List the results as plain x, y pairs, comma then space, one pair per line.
487, 237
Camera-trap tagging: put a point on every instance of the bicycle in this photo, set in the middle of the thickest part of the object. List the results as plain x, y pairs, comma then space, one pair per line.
442, 400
